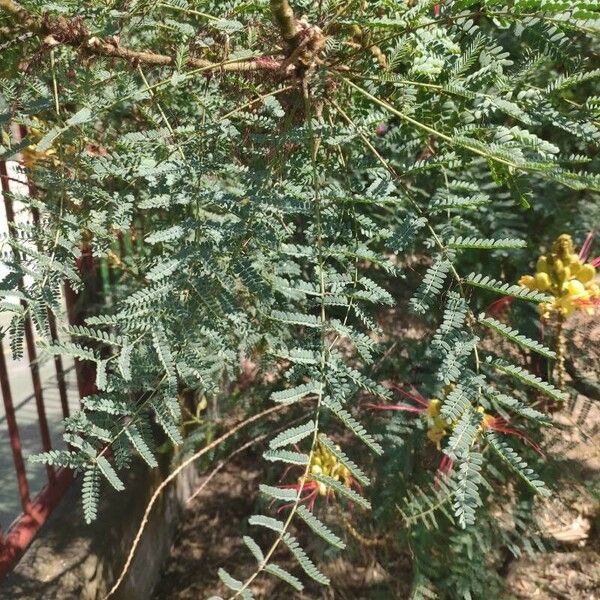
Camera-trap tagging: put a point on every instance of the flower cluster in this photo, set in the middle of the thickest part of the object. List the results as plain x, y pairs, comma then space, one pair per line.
439, 427
322, 463
565, 274
31, 155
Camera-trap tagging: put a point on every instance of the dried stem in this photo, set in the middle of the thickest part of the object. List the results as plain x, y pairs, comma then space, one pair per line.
73, 32
560, 352
172, 476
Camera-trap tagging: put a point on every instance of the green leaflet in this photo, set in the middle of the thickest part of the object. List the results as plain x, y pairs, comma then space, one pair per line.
319, 528
268, 522
296, 319
233, 584
485, 244
514, 336
292, 435
464, 433
457, 402
286, 456
305, 562
109, 473
161, 346
422, 504
406, 232
432, 285
296, 393
349, 464
165, 420
527, 378
521, 409
516, 463
340, 488
284, 575
90, 493
124, 362
278, 493
254, 548
142, 441
465, 484
352, 424
516, 291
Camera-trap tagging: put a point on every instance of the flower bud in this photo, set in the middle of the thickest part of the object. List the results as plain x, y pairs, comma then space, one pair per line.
527, 281
562, 273
433, 408
574, 260
542, 264
586, 273
558, 266
542, 282
563, 246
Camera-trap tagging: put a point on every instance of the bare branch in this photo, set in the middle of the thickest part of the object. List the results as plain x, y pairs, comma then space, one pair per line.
73, 32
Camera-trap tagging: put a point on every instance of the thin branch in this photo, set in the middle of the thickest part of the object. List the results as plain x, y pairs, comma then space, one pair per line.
103, 48
73, 32
172, 476
222, 463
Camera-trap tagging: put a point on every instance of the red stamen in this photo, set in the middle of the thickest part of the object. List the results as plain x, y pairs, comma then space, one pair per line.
591, 303
586, 246
444, 469
500, 425
499, 306
413, 396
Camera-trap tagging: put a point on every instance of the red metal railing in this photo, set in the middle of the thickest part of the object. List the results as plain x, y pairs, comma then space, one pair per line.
97, 275
35, 511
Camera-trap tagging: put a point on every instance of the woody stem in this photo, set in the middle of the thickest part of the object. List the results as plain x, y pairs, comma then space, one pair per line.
283, 17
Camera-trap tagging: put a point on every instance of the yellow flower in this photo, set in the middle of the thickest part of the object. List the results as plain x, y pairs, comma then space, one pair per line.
565, 275
542, 281
527, 281
324, 462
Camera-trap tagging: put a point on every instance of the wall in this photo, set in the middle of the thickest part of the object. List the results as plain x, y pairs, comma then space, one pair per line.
72, 560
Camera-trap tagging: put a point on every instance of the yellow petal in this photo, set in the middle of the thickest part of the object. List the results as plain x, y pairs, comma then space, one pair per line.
586, 273
576, 289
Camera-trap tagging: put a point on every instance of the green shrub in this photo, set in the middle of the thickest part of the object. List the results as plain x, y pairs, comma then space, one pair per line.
280, 178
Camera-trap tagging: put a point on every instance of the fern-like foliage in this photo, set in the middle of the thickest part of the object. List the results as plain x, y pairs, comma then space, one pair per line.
259, 186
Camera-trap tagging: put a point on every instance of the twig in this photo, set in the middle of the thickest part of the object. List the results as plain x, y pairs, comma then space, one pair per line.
222, 463
171, 477
73, 32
